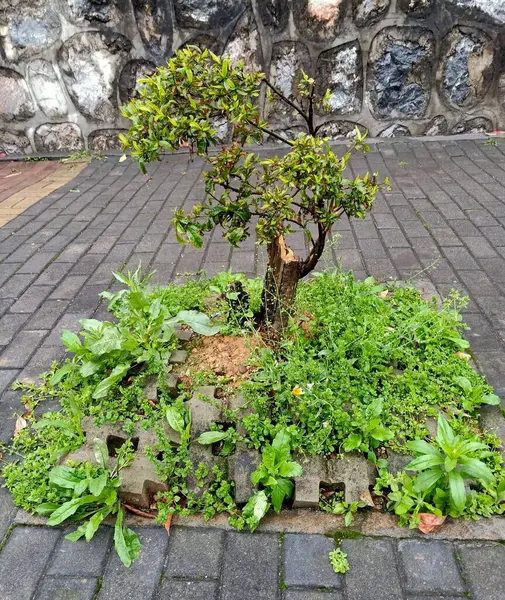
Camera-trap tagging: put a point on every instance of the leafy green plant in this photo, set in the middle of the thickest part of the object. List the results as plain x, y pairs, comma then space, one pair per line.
145, 333
90, 494
273, 476
447, 463
474, 394
336, 506
227, 438
304, 190
338, 561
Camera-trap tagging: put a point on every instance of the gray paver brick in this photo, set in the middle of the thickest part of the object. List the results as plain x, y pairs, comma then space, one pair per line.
67, 588
430, 567
373, 574
18, 353
484, 566
250, 570
187, 590
30, 547
194, 553
81, 558
141, 579
306, 563
311, 595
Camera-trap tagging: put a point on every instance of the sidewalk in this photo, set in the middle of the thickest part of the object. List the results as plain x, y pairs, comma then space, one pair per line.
445, 217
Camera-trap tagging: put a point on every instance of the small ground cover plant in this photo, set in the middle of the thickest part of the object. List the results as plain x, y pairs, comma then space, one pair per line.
360, 367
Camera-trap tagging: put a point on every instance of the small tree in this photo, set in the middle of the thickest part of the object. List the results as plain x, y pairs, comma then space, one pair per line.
181, 106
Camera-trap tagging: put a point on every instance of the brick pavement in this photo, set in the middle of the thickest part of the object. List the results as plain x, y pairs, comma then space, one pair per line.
445, 217
22, 184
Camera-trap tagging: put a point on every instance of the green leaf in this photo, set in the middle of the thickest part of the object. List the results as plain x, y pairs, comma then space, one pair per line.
425, 461
450, 464
282, 489
353, 442
348, 518
71, 341
457, 490
210, 437
463, 383
445, 435
111, 339
475, 468
64, 477
94, 523
290, 469
97, 485
67, 509
89, 368
126, 542
381, 434
199, 322
175, 419
61, 372
422, 447
105, 385
260, 505
76, 535
282, 440
491, 399
46, 508
101, 452
425, 481
268, 458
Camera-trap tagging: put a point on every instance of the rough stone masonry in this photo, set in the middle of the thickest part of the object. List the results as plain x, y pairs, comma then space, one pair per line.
420, 67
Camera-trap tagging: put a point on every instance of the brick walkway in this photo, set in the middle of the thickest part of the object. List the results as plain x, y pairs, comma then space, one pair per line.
23, 184
445, 217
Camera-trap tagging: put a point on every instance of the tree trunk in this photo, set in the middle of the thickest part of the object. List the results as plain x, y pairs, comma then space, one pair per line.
281, 280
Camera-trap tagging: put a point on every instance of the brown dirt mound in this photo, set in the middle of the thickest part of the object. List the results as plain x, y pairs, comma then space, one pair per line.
226, 355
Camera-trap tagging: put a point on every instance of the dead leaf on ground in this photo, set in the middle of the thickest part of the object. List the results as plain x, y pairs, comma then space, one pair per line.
168, 522
21, 424
429, 522
367, 498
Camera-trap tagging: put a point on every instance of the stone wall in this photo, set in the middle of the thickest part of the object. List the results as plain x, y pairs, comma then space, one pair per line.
397, 67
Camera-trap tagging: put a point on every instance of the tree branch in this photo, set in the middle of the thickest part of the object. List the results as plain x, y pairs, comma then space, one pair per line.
287, 101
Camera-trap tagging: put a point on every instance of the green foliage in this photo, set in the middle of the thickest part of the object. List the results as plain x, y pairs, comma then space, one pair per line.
335, 505
368, 366
273, 476
145, 333
306, 189
445, 465
90, 494
338, 560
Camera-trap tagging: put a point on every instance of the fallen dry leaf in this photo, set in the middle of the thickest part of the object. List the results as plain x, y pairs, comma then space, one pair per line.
383, 294
168, 522
20, 425
463, 355
429, 522
367, 497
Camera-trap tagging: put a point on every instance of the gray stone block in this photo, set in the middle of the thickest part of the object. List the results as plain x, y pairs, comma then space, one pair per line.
23, 560
430, 566
194, 553
151, 388
141, 579
139, 481
67, 588
352, 471
483, 565
81, 559
306, 562
178, 357
187, 590
184, 335
172, 382
203, 412
372, 574
250, 570
241, 465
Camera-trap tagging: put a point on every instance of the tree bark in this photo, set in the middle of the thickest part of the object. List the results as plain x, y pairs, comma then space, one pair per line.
283, 273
